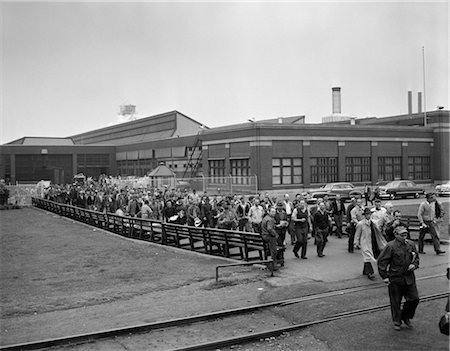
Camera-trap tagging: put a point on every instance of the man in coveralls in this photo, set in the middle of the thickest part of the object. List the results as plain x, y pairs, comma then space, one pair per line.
396, 265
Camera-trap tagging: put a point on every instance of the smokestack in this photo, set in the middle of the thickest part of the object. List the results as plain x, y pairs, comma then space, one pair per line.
419, 102
336, 91
410, 102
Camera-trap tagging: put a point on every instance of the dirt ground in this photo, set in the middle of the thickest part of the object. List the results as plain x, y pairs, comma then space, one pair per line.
60, 277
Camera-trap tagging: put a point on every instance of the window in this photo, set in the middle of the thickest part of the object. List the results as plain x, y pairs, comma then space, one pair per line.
287, 171
357, 169
217, 171
324, 169
84, 160
57, 168
419, 167
240, 170
389, 168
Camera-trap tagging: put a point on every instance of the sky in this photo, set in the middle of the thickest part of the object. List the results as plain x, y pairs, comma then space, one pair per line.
66, 67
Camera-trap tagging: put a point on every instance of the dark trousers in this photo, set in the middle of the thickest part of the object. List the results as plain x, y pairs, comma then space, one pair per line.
433, 231
243, 224
281, 236
338, 222
368, 269
301, 235
321, 239
272, 245
351, 237
256, 227
396, 293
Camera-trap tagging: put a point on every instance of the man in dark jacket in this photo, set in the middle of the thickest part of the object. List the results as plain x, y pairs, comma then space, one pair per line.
321, 223
338, 210
351, 227
269, 234
396, 265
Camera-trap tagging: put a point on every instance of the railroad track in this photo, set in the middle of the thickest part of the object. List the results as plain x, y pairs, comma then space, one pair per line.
148, 327
278, 331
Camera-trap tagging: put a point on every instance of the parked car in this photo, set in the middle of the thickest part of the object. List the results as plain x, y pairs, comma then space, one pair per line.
346, 190
400, 188
443, 189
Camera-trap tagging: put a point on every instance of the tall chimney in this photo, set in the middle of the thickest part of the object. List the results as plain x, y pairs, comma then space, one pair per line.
410, 102
336, 91
419, 102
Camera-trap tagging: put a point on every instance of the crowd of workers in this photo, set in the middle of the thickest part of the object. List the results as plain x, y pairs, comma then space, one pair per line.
377, 231
277, 220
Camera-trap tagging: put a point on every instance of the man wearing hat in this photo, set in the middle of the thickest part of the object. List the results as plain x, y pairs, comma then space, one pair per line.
369, 242
396, 265
269, 234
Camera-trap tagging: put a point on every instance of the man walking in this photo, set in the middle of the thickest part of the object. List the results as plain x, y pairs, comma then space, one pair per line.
338, 209
369, 242
356, 214
256, 215
269, 234
302, 226
396, 265
427, 218
321, 224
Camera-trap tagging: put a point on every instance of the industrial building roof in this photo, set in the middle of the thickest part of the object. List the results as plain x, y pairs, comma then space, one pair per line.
39, 141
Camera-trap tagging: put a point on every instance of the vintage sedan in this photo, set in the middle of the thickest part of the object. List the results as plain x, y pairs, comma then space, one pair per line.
400, 188
443, 189
346, 190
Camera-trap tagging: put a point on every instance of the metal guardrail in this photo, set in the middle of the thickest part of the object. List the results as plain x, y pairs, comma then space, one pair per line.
211, 241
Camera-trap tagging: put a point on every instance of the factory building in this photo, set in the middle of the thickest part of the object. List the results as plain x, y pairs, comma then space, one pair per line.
282, 152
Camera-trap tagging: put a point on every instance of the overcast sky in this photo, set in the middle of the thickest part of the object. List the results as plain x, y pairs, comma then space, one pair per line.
67, 67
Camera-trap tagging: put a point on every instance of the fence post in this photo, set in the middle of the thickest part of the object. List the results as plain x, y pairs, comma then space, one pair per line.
203, 183
231, 184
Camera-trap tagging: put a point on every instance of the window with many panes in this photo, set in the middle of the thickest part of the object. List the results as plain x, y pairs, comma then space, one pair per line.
240, 170
324, 169
389, 168
357, 169
419, 167
217, 171
287, 171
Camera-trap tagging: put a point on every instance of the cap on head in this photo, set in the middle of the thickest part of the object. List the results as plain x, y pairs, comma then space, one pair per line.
400, 230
